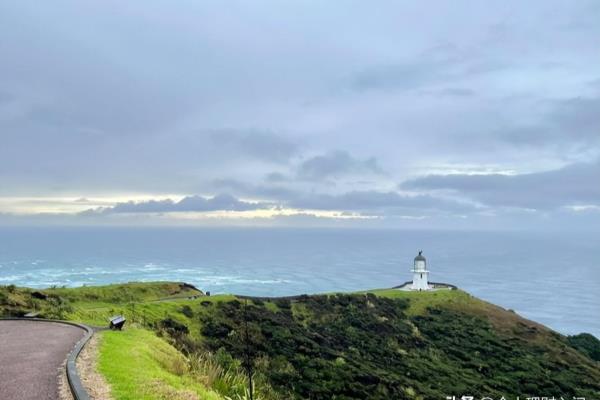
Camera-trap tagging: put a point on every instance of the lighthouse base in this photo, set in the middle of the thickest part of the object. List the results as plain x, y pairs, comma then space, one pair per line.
408, 286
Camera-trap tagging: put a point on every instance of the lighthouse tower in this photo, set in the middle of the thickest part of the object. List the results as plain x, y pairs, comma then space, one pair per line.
420, 273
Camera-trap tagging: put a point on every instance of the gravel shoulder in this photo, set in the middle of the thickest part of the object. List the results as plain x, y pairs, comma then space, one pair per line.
87, 364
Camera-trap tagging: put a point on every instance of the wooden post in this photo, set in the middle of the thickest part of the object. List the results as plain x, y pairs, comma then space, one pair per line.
248, 358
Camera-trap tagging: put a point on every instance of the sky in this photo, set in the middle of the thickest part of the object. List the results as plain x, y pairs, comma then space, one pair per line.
412, 114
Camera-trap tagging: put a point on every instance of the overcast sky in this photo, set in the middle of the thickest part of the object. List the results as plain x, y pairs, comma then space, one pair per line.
457, 114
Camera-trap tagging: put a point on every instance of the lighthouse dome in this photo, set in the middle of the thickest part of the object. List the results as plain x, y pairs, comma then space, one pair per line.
420, 256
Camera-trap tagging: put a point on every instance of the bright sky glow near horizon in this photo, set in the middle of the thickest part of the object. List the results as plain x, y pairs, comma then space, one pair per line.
457, 114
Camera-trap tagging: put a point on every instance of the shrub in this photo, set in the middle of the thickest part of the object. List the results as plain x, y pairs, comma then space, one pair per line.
587, 344
366, 347
187, 311
173, 327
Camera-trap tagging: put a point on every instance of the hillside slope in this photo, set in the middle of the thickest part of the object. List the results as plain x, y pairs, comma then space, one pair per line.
390, 344
380, 344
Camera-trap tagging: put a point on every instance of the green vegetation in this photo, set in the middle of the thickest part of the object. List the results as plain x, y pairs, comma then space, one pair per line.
140, 366
378, 344
144, 302
587, 344
371, 346
128, 292
420, 301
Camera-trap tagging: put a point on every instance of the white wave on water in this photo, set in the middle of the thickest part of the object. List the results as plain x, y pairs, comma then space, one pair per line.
73, 276
11, 278
226, 280
185, 270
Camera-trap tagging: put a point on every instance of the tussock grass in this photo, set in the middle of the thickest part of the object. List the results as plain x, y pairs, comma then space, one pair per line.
230, 382
138, 364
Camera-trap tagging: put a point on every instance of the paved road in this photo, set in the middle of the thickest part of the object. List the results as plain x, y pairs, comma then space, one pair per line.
31, 356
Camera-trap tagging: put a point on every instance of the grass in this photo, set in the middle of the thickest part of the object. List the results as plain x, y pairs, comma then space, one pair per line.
145, 313
142, 302
66, 303
420, 301
387, 343
149, 302
127, 292
138, 365
503, 320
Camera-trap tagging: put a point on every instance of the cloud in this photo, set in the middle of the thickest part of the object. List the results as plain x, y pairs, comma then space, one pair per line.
402, 77
276, 177
571, 121
385, 203
576, 184
222, 202
350, 204
261, 145
269, 191
436, 65
167, 101
5, 98
457, 92
578, 117
337, 164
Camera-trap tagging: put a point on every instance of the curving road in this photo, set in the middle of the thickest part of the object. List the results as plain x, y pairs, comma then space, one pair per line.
32, 354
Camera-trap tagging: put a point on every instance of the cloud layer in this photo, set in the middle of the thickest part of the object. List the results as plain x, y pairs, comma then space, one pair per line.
447, 111
577, 184
221, 202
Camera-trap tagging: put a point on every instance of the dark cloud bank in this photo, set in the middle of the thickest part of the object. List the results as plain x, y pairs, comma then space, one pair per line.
222, 202
577, 184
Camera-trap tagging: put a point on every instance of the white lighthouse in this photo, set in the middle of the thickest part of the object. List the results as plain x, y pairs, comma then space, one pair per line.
420, 273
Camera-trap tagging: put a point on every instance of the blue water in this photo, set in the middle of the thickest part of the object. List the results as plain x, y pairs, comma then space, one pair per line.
550, 278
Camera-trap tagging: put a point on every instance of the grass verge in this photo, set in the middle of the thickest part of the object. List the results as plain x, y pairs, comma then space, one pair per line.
138, 365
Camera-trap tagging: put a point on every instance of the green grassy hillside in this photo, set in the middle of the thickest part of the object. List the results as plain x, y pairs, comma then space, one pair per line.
95, 304
391, 344
380, 344
138, 365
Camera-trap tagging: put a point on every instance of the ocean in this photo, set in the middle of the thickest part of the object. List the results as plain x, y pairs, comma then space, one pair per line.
552, 278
